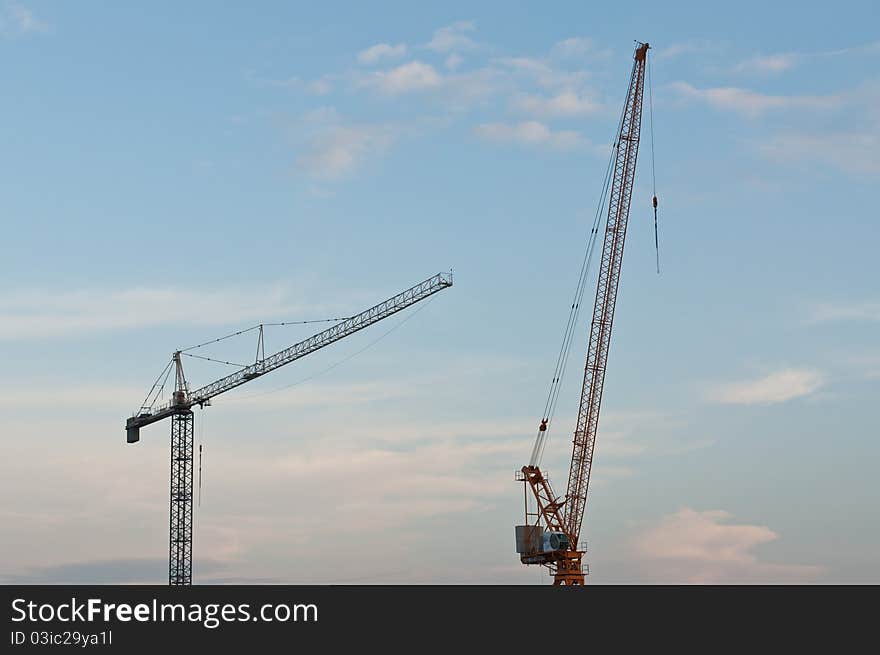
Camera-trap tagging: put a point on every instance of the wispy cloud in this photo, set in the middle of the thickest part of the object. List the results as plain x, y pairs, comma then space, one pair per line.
532, 133
769, 63
564, 104
380, 51
752, 103
453, 61
141, 570
26, 398
452, 38
428, 476
290, 82
40, 313
774, 388
867, 311
330, 148
15, 18
320, 86
452, 91
577, 46
413, 76
784, 61
852, 151
693, 46
340, 149
866, 364
700, 547
542, 72
540, 88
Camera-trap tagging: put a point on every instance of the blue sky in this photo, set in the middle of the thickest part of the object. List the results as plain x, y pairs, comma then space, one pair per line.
170, 173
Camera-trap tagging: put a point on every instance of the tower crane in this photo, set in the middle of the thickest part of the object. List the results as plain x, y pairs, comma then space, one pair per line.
550, 534
180, 410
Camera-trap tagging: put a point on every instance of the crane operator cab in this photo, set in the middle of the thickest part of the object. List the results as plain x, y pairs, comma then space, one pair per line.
533, 543
555, 541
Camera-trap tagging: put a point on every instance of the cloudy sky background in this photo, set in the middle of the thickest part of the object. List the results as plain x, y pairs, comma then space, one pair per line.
171, 173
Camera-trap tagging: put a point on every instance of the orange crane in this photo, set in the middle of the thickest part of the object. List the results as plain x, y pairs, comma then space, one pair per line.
550, 534
180, 408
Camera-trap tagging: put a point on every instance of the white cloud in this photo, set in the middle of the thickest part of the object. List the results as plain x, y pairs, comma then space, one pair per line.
83, 397
573, 47
413, 76
858, 311
456, 91
19, 19
853, 151
314, 395
635, 433
339, 149
684, 48
452, 37
530, 133
381, 51
866, 364
700, 547
329, 148
320, 87
780, 62
543, 73
476, 87
751, 103
775, 388
777, 63
291, 82
566, 103
701, 536
39, 313
432, 480
453, 61
513, 80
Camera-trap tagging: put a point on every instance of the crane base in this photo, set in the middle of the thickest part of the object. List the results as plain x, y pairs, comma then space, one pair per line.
569, 570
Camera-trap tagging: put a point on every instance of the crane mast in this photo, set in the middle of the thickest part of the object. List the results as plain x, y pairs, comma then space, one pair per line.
555, 543
179, 410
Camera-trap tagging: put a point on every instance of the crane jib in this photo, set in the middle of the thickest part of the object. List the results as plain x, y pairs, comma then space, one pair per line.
562, 517
606, 299
324, 338
179, 409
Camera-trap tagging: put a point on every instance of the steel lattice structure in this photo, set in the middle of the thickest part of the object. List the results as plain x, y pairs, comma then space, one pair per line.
606, 299
566, 514
181, 511
179, 409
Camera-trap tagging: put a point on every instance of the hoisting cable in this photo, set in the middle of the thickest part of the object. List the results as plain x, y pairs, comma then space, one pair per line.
146, 405
571, 325
201, 439
211, 359
568, 337
228, 336
200, 475
340, 362
257, 327
653, 173
320, 320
